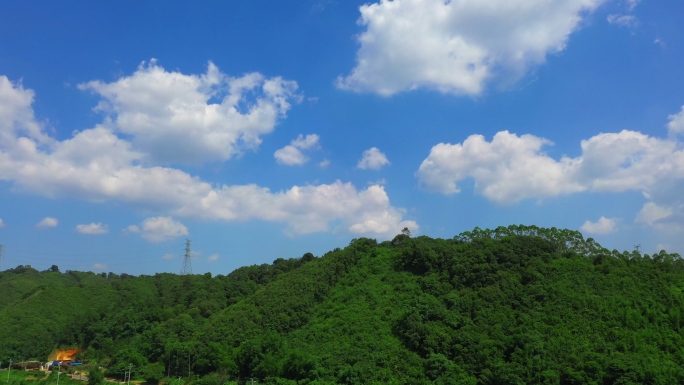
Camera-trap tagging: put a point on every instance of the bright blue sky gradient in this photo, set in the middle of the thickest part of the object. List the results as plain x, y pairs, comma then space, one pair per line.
400, 76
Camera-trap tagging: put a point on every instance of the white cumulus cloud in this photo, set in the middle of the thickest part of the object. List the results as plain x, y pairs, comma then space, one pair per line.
190, 119
292, 154
97, 165
159, 229
92, 228
457, 46
306, 209
372, 159
213, 258
511, 168
100, 266
506, 170
47, 222
16, 113
651, 213
602, 226
2, 223
675, 124
665, 215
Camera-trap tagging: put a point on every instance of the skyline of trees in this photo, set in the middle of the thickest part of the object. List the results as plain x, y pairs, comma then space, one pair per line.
511, 305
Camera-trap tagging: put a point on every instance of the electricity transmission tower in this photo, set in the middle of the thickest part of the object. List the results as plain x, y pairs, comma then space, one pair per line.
187, 267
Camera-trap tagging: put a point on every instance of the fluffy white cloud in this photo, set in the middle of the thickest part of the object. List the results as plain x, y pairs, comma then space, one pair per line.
47, 222
16, 114
305, 209
92, 228
622, 20
372, 159
178, 118
651, 213
602, 226
506, 170
310, 141
675, 124
213, 258
159, 229
629, 160
2, 223
292, 154
99, 166
100, 266
511, 168
457, 46
665, 215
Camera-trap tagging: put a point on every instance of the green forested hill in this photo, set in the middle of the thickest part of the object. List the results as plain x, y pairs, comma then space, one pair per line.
516, 305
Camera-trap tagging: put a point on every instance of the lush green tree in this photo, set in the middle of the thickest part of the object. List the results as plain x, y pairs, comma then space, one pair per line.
95, 376
152, 373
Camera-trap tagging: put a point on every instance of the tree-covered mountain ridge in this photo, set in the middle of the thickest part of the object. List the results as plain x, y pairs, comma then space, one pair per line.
513, 305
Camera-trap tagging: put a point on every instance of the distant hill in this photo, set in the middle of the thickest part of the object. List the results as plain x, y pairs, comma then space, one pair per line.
515, 305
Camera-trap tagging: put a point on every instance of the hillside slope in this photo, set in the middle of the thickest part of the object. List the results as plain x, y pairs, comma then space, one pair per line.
523, 305
516, 305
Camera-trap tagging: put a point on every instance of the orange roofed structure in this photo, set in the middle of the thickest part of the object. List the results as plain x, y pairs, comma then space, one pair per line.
63, 354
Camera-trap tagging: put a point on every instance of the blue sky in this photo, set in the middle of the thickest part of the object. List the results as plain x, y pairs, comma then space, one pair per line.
262, 129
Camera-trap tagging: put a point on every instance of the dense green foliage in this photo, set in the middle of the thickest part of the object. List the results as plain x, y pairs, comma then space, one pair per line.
21, 377
515, 305
95, 376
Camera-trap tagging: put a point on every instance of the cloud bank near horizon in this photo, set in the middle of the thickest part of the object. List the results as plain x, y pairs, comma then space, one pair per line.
150, 113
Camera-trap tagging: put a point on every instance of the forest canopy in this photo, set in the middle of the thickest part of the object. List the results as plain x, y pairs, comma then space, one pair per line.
513, 305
